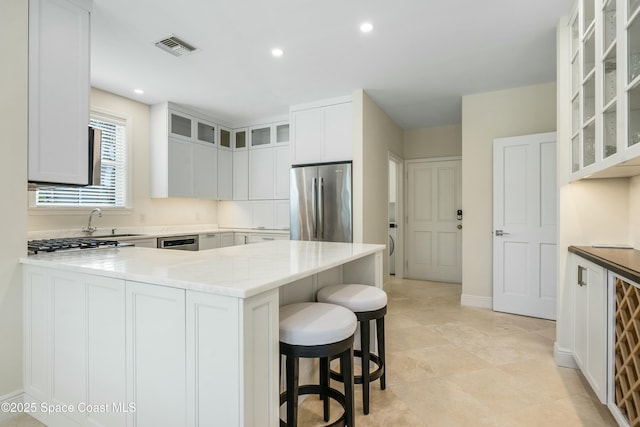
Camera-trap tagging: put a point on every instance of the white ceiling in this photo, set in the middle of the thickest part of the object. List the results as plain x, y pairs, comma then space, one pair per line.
418, 61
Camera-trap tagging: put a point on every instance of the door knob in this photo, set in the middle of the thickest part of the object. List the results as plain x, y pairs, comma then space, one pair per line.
459, 226
501, 233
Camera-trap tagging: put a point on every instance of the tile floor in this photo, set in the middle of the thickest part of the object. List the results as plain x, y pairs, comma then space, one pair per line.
459, 366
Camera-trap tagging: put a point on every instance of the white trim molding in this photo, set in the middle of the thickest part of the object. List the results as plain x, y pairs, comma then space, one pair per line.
563, 357
10, 398
476, 301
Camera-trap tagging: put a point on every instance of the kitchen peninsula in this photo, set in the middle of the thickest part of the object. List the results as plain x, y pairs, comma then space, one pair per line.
147, 337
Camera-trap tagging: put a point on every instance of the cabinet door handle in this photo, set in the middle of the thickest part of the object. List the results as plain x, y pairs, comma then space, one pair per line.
268, 238
581, 271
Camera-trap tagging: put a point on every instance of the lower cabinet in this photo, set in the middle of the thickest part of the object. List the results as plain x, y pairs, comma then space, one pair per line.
590, 322
208, 241
155, 337
124, 353
75, 350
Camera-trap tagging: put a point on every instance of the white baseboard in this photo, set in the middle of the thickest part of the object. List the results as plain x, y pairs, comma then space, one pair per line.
563, 357
476, 301
11, 398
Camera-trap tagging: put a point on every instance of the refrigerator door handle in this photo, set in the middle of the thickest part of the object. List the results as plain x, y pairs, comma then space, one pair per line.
321, 208
314, 198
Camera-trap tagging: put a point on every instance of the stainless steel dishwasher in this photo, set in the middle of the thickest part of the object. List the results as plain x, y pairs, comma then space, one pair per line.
183, 243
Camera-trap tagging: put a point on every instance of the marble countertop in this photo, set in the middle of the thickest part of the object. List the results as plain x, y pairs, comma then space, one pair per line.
150, 232
625, 262
239, 271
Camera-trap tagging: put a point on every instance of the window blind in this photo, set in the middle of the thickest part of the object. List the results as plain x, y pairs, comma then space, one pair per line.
112, 191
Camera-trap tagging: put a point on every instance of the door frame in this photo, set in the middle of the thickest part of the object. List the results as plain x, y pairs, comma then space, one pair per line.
400, 188
405, 219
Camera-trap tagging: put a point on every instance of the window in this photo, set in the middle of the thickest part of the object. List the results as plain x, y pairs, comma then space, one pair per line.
112, 191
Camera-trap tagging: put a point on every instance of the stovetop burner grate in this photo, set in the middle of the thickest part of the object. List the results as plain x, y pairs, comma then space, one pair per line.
52, 245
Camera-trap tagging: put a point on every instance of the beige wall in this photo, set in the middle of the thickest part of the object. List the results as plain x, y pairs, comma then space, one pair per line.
374, 136
486, 116
380, 136
439, 141
144, 211
13, 179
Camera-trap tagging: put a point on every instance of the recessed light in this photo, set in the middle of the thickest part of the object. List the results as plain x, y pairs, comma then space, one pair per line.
277, 52
366, 27
138, 91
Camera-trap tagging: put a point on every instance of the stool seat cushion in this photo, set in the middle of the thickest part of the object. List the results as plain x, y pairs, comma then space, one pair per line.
313, 323
357, 298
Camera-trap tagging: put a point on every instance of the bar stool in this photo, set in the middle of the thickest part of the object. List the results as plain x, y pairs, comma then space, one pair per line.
368, 303
324, 331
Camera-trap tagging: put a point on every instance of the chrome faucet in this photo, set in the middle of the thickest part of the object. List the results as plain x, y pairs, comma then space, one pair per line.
89, 228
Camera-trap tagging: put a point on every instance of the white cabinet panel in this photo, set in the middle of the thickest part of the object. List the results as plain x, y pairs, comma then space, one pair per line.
261, 177
208, 241
590, 322
322, 133
338, 130
281, 170
225, 175
205, 174
59, 36
282, 214
240, 238
262, 214
307, 126
180, 180
226, 239
241, 175
213, 370
156, 334
75, 343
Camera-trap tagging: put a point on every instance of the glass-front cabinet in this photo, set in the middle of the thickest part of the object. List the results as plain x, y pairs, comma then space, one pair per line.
604, 70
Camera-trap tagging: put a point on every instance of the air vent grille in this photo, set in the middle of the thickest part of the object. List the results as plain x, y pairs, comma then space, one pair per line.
175, 46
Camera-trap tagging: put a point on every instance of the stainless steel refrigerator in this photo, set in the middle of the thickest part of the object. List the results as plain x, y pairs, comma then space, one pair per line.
321, 202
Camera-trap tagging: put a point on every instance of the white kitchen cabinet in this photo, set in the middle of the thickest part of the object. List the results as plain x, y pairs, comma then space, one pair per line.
225, 175
241, 175
226, 239
260, 136
265, 237
604, 81
281, 168
282, 214
261, 174
184, 154
205, 171
150, 242
75, 343
224, 138
180, 169
208, 241
322, 132
262, 214
155, 317
240, 238
59, 43
589, 283
239, 138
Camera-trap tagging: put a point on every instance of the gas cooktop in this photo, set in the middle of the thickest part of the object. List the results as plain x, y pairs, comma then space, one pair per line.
67, 244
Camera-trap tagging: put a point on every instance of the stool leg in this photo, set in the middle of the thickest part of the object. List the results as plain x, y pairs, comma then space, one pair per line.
380, 334
292, 391
324, 385
365, 347
346, 368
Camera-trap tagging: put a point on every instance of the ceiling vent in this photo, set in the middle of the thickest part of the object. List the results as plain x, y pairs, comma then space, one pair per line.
175, 46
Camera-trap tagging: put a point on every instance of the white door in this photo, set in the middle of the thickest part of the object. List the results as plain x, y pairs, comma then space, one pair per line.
524, 225
434, 232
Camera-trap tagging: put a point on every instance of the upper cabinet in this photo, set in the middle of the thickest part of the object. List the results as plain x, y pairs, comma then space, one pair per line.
604, 61
322, 132
184, 154
59, 40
